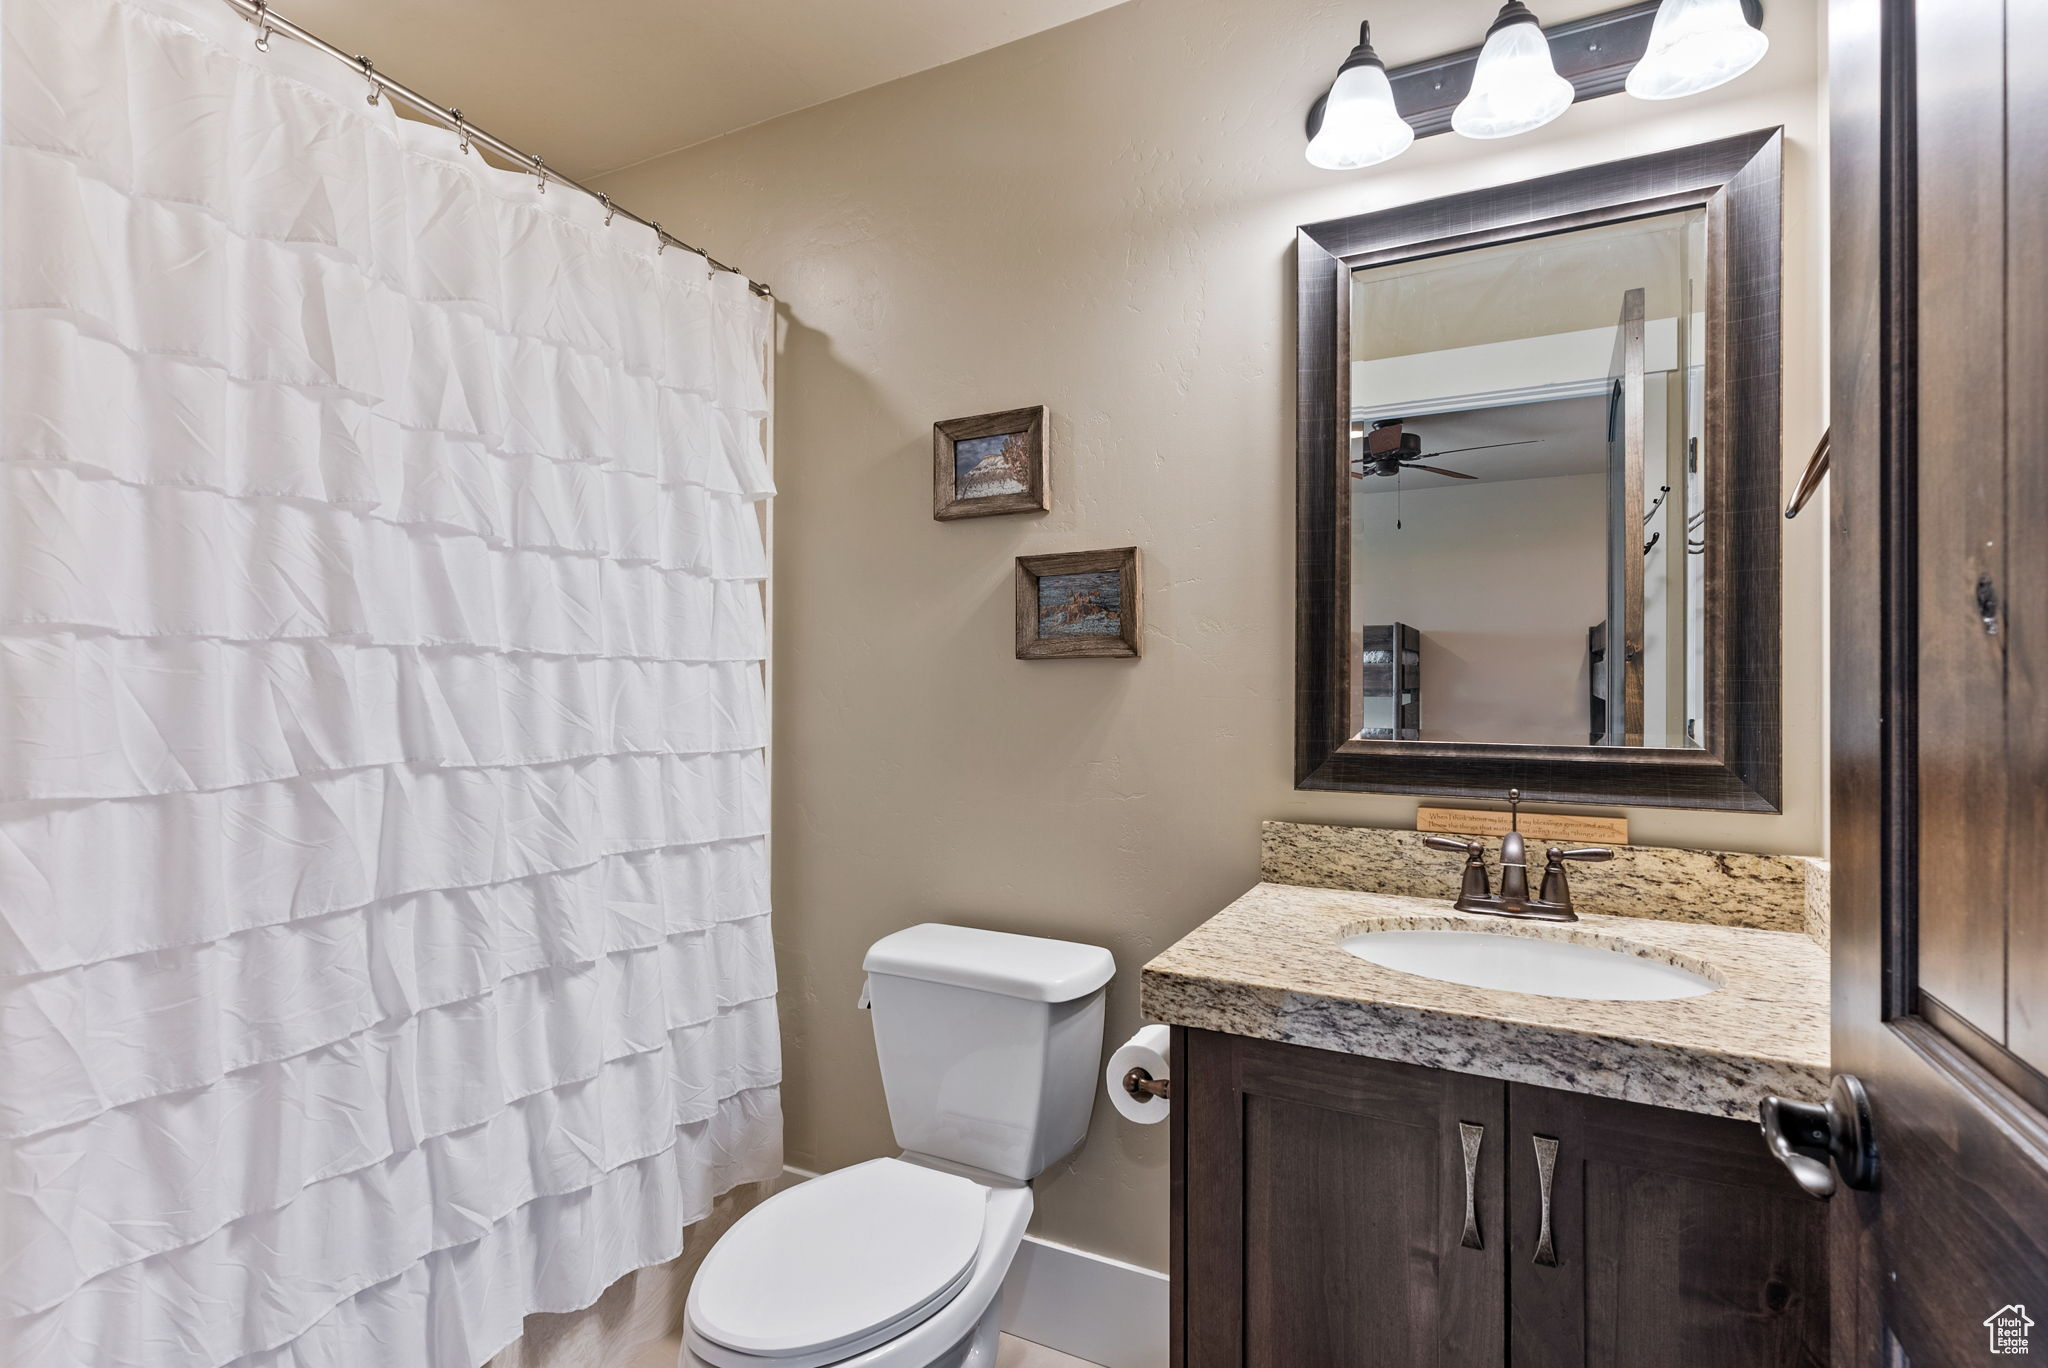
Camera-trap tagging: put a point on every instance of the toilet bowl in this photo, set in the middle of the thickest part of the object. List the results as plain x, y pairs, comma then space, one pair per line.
988, 1045
874, 1266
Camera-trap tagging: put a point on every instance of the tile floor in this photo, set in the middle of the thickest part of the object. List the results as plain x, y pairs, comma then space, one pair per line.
1021, 1353
1015, 1353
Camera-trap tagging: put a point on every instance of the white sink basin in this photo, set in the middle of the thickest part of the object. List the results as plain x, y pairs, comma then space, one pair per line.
1526, 964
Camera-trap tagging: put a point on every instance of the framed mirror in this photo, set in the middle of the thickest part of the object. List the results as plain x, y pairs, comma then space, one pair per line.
1538, 477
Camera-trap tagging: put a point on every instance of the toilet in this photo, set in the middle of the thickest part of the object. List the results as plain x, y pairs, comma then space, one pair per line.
989, 1045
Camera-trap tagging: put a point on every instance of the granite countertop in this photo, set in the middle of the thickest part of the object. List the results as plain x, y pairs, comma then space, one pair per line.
1269, 966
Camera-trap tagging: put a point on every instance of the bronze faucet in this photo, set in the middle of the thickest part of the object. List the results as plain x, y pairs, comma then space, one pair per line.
1552, 903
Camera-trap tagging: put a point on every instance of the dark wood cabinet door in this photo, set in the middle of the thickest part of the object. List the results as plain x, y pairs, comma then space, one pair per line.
1321, 1202
1675, 1241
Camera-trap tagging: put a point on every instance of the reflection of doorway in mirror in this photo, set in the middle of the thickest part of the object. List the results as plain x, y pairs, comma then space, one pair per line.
1497, 575
1674, 535
1483, 389
1390, 673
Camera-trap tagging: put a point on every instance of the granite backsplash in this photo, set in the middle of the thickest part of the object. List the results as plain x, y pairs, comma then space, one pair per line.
1724, 888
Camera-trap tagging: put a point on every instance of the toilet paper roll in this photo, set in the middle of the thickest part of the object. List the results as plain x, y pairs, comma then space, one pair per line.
1151, 1049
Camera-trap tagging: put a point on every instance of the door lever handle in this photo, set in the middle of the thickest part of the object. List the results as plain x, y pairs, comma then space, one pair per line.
1819, 1142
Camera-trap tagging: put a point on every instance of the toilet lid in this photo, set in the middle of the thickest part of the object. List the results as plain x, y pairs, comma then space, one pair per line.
845, 1257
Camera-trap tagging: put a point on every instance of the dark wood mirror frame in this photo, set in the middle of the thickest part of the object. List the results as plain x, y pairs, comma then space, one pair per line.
1737, 181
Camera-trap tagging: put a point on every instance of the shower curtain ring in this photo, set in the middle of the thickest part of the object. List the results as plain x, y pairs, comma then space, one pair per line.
606, 201
660, 239
461, 132
540, 173
262, 22
370, 75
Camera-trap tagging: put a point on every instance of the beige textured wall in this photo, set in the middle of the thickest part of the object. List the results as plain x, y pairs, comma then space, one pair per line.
1501, 578
1100, 219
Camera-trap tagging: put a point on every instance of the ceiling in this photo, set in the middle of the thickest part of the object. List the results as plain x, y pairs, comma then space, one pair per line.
593, 88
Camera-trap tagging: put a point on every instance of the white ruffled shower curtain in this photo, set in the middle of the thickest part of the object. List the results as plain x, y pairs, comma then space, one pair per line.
384, 942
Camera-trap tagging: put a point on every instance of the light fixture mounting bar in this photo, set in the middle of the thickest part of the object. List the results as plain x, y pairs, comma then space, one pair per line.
1594, 54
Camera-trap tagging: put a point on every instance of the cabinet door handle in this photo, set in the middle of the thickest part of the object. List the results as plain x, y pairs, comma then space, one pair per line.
1546, 1172
1471, 1137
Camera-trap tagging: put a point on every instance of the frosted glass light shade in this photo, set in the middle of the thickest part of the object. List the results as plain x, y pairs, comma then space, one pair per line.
1514, 86
1360, 125
1695, 45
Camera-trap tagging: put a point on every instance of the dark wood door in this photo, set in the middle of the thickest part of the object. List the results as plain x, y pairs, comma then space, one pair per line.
1324, 1210
1940, 667
1675, 1241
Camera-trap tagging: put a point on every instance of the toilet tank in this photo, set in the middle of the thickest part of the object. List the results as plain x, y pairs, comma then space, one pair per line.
990, 1043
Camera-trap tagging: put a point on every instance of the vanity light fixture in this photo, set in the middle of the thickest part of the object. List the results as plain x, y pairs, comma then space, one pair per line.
1696, 45
1515, 86
1524, 75
1360, 126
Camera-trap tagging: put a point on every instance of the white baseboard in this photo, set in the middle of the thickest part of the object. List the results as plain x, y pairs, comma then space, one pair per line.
1094, 1307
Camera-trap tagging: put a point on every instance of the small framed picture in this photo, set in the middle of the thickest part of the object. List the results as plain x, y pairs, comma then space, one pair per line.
1079, 604
989, 464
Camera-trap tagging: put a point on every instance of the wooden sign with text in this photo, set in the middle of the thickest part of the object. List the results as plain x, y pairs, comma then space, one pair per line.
1541, 826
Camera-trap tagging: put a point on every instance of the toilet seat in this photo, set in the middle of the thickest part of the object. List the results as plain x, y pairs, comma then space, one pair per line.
837, 1265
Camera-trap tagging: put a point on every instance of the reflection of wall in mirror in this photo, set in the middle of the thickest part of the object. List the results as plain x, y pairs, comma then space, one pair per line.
1502, 580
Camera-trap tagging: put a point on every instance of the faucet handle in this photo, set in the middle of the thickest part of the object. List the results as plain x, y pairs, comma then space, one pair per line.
1556, 888
1474, 887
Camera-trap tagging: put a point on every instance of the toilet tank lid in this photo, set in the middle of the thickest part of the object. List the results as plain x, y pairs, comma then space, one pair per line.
1029, 967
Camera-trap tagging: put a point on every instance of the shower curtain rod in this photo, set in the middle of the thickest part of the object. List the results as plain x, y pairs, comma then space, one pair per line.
269, 21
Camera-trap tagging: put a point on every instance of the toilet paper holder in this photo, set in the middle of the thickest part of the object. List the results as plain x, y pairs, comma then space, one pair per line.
1144, 1087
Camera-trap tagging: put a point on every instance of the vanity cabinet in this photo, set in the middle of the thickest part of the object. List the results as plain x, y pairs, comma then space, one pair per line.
1320, 1210
1332, 1209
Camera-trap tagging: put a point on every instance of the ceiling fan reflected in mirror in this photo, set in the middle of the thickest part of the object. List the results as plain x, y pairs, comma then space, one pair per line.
1389, 450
